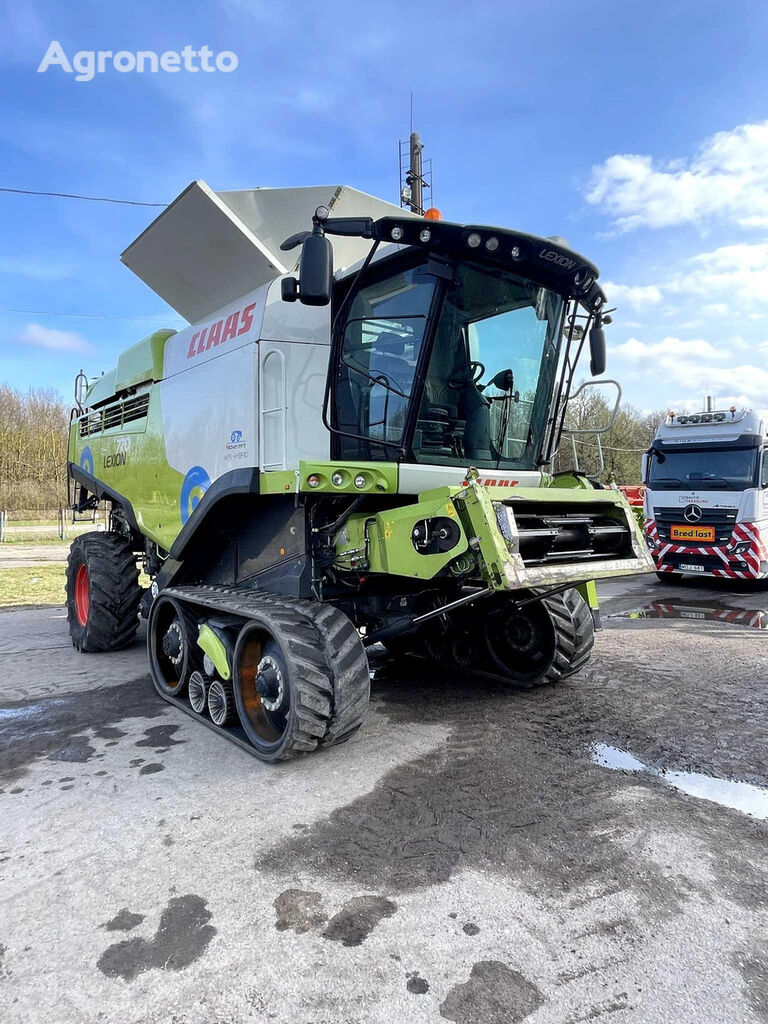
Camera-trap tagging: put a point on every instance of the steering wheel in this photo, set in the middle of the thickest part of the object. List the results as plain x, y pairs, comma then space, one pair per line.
476, 369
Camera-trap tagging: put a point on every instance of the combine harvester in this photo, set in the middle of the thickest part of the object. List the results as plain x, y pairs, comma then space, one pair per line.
706, 501
326, 461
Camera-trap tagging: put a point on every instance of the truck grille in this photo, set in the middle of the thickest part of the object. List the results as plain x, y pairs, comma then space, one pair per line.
548, 534
723, 520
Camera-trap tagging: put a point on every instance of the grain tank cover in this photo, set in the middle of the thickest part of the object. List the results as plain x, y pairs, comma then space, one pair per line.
209, 248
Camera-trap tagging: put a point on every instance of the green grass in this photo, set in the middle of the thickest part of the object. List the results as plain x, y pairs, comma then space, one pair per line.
40, 585
43, 584
50, 537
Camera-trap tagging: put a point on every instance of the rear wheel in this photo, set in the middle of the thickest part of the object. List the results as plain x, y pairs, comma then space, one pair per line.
542, 642
103, 592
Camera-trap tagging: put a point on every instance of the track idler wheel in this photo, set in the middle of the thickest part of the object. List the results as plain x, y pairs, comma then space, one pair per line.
172, 643
197, 691
221, 703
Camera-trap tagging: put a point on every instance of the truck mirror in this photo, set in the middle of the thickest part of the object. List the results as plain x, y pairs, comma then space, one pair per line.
597, 351
316, 270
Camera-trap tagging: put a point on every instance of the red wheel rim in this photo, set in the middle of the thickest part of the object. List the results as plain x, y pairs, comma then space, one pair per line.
82, 594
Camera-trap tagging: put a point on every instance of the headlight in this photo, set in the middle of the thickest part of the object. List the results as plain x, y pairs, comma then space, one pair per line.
424, 235
360, 480
337, 479
473, 240
313, 480
396, 233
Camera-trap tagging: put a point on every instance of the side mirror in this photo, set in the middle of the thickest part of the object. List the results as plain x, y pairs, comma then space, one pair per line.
316, 270
597, 360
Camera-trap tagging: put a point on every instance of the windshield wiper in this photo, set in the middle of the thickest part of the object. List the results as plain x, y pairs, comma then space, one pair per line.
666, 480
705, 481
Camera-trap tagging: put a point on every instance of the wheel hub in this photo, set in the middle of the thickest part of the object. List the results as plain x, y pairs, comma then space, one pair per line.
269, 683
173, 644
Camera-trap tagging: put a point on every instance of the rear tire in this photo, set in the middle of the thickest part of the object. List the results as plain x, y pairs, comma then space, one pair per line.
543, 642
103, 592
574, 635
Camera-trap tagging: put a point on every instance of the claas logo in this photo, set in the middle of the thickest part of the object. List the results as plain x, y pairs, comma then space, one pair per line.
491, 481
237, 323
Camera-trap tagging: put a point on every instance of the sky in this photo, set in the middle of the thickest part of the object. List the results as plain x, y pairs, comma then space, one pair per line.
637, 131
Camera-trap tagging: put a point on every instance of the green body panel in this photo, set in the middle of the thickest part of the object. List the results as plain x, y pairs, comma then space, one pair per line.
215, 649
389, 547
102, 388
588, 591
382, 542
380, 477
570, 480
131, 460
142, 362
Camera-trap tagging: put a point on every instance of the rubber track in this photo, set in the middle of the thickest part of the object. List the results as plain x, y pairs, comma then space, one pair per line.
115, 591
335, 686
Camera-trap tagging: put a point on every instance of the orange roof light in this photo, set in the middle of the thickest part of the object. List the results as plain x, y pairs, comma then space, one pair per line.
433, 214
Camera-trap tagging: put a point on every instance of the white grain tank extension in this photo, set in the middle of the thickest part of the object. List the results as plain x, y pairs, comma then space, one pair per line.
215, 258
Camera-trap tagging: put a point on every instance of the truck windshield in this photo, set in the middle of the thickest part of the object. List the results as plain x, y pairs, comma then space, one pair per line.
714, 469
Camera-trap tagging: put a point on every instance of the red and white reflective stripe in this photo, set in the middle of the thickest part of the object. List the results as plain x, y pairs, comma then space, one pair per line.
752, 557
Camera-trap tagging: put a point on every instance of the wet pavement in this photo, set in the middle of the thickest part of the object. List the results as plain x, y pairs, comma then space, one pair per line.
592, 851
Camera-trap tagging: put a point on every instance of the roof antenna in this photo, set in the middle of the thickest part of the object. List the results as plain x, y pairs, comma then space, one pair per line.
415, 173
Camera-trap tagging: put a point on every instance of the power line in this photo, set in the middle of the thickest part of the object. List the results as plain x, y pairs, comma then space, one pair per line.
607, 449
92, 316
89, 199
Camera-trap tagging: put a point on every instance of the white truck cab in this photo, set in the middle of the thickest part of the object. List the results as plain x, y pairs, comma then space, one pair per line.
706, 502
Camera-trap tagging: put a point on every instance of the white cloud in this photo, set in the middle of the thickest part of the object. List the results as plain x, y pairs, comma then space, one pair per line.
55, 341
736, 272
666, 353
639, 297
727, 177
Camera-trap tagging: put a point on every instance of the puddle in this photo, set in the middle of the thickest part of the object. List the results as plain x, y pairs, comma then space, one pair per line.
10, 714
739, 796
704, 611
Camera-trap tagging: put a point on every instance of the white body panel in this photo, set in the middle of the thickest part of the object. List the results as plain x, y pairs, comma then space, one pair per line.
416, 478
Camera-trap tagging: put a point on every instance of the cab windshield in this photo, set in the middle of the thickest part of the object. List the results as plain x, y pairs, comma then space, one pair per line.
449, 372
713, 469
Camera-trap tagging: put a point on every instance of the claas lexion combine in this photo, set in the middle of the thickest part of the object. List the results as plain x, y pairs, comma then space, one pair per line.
326, 460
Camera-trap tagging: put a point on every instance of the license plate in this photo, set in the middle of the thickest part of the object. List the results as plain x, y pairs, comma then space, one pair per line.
699, 534
691, 568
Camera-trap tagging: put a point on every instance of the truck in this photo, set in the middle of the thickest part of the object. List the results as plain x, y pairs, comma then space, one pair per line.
349, 446
706, 499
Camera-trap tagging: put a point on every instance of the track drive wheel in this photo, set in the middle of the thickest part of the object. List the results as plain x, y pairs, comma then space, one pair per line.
172, 645
283, 685
543, 642
103, 592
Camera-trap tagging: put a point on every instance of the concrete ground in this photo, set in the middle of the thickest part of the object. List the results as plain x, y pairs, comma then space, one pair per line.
471, 856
